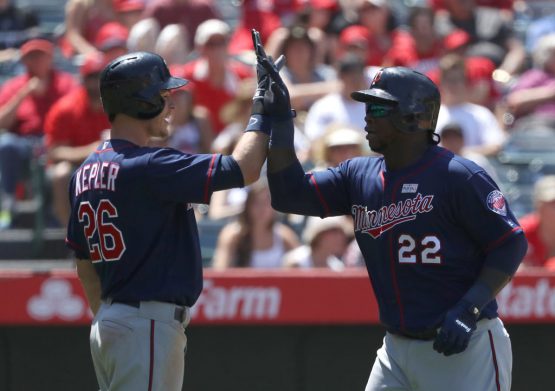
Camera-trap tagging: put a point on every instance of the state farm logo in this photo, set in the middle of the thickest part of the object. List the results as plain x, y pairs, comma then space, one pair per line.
237, 302
56, 299
525, 301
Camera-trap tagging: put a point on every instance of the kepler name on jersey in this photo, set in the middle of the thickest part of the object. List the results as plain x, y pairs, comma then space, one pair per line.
96, 176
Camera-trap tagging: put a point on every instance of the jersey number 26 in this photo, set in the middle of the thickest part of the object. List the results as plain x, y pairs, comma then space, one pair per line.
108, 244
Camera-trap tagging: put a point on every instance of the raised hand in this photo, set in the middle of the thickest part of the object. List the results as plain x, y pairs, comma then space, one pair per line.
275, 98
262, 79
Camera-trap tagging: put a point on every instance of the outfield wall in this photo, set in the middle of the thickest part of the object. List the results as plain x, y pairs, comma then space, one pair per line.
251, 331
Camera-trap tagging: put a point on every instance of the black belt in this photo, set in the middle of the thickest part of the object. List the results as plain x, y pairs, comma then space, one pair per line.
179, 314
425, 335
136, 304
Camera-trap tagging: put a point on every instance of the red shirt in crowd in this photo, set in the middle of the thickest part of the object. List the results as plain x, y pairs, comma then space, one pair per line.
403, 52
72, 122
32, 111
206, 94
537, 250
264, 16
379, 51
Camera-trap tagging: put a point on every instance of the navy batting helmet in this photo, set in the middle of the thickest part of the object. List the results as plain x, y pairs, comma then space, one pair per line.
131, 84
414, 97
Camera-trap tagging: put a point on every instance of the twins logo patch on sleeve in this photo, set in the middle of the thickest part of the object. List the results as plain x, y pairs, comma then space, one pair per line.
496, 202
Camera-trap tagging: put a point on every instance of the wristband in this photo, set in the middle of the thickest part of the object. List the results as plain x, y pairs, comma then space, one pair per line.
259, 123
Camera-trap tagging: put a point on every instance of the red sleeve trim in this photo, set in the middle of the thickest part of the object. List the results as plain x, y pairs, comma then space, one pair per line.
209, 179
320, 196
502, 239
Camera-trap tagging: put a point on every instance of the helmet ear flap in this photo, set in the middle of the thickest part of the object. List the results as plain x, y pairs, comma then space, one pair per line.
150, 109
405, 122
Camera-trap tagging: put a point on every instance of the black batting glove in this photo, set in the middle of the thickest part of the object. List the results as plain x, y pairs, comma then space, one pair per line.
261, 113
276, 96
457, 329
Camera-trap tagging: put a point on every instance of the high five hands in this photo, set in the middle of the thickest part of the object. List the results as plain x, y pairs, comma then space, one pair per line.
271, 97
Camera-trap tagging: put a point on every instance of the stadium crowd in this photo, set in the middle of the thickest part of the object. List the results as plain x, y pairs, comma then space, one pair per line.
493, 60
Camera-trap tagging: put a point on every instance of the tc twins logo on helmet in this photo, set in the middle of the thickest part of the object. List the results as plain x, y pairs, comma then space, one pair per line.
375, 222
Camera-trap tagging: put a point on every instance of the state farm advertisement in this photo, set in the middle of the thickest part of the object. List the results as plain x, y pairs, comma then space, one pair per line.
240, 297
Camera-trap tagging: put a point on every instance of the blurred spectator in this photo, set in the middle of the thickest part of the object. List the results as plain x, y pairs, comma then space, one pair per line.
307, 78
500, 4
235, 115
321, 16
491, 33
144, 35
129, 12
378, 18
83, 19
111, 40
452, 138
338, 143
187, 13
215, 75
253, 14
539, 226
172, 43
325, 241
190, 130
24, 102
534, 92
338, 107
482, 132
73, 128
539, 28
354, 39
256, 239
17, 25
419, 47
319, 13
484, 90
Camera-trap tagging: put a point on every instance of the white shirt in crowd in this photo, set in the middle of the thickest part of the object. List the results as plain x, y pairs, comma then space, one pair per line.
479, 125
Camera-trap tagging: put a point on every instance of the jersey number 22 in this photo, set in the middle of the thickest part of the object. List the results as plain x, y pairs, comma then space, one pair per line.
427, 251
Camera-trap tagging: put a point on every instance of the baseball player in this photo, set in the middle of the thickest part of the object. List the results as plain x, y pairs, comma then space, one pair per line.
133, 229
438, 237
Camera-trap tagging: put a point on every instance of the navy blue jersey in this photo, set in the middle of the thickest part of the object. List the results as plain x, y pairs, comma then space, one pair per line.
131, 215
424, 230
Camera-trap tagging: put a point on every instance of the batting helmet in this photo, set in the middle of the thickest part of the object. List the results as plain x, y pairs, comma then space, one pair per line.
415, 97
131, 84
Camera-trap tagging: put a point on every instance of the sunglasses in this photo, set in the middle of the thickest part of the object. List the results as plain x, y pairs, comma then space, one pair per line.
378, 111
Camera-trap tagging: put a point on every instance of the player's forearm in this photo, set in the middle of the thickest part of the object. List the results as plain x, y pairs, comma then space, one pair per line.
90, 282
281, 153
250, 154
289, 185
500, 266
